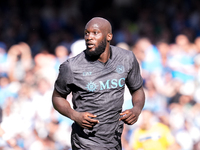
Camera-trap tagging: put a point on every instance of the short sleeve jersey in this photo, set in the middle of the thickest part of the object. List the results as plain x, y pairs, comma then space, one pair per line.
98, 88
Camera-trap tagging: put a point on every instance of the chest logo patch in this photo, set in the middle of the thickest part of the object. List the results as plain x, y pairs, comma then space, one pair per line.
120, 69
87, 73
91, 86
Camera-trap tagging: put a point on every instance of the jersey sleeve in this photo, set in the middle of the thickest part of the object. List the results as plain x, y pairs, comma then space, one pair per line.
64, 79
134, 80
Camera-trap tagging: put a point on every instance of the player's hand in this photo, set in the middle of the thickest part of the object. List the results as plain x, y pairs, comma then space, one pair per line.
84, 119
130, 116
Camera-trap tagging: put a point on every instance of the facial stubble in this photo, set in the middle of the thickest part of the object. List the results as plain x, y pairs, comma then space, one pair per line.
98, 50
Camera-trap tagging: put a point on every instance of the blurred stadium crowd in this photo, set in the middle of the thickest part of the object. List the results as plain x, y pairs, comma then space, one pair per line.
36, 36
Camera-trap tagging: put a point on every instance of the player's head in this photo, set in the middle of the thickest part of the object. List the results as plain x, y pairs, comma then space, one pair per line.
98, 34
146, 119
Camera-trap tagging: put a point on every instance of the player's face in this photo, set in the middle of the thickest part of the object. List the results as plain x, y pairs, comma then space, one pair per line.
95, 39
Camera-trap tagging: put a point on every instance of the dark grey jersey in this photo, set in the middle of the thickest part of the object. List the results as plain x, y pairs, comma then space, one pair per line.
98, 88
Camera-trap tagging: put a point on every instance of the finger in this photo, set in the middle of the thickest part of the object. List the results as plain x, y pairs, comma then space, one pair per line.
87, 126
123, 113
130, 120
125, 116
130, 117
134, 121
86, 122
93, 120
126, 119
91, 115
89, 123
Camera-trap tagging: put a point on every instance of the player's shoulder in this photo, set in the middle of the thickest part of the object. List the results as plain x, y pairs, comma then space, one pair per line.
76, 59
120, 52
73, 61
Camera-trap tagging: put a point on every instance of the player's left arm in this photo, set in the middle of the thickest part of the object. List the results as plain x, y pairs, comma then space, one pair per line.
130, 116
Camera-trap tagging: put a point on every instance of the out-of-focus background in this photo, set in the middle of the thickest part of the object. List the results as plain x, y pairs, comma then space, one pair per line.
36, 36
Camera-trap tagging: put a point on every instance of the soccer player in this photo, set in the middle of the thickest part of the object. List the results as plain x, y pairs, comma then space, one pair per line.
97, 77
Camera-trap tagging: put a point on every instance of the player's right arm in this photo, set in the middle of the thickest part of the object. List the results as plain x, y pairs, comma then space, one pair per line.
84, 119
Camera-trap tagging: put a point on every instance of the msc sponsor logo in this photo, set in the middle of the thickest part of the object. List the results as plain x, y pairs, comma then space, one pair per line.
109, 84
91, 86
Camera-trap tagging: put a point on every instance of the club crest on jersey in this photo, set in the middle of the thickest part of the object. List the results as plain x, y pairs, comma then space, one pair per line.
120, 69
91, 86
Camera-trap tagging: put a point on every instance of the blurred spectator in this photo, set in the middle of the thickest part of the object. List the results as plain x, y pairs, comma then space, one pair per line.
152, 135
197, 78
188, 137
10, 118
163, 48
20, 61
61, 53
197, 44
41, 98
164, 78
77, 47
181, 59
181, 119
154, 101
140, 55
186, 132
3, 59
123, 45
44, 65
42, 143
151, 60
8, 89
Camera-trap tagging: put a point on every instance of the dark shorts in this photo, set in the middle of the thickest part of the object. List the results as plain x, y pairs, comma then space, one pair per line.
93, 147
81, 140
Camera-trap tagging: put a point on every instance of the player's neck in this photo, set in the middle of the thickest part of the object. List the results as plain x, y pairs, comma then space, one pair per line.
105, 55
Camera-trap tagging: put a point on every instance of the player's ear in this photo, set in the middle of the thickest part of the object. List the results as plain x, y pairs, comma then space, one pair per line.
109, 36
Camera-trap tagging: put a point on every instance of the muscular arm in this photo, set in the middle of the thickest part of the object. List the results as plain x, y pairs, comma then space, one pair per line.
130, 116
138, 99
62, 105
84, 119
